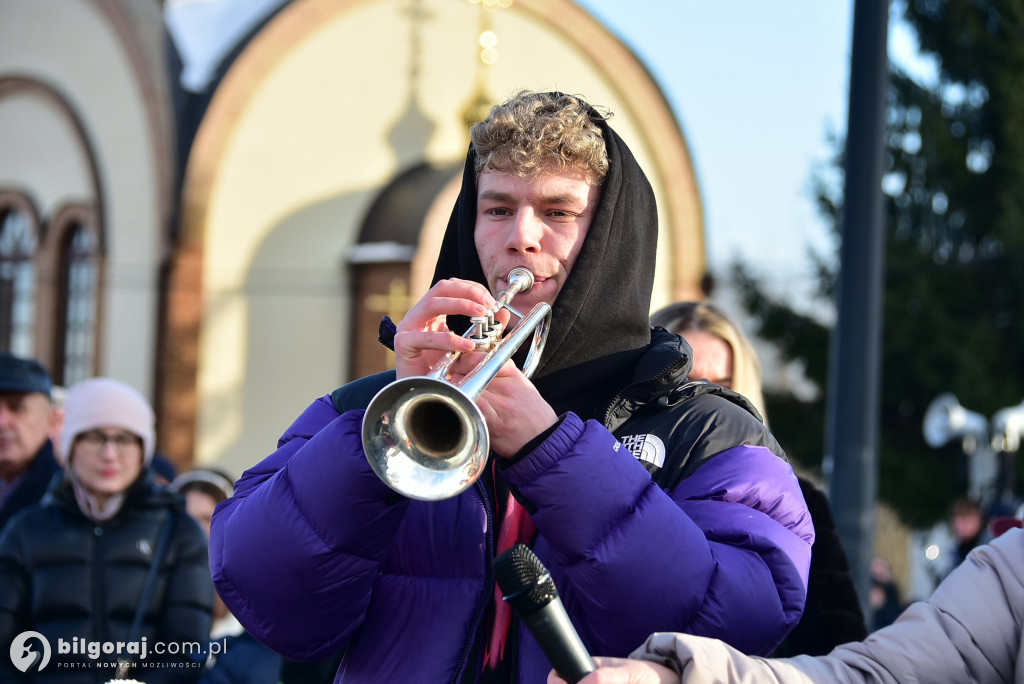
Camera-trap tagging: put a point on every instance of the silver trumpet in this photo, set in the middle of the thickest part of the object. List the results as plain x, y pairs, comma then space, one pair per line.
424, 436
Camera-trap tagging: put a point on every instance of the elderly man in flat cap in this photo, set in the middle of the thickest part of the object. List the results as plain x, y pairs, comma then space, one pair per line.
28, 418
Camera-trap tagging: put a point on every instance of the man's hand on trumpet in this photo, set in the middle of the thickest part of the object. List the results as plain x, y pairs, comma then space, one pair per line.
513, 408
423, 337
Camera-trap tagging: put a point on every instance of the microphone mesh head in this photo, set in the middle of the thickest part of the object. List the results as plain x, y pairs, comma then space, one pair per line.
524, 581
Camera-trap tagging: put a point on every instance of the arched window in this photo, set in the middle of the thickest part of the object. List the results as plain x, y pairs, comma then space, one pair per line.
18, 244
79, 268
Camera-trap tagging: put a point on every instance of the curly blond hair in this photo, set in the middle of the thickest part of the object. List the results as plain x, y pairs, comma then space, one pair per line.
534, 133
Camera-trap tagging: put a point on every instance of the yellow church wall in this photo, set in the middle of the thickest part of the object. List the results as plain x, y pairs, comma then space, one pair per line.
311, 121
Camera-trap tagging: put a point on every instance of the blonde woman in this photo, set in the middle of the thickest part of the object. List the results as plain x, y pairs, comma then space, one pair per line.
726, 357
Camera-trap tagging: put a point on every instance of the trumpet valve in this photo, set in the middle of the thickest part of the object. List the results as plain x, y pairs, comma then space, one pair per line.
494, 335
480, 334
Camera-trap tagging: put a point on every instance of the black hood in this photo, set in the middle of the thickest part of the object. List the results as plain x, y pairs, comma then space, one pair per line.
603, 307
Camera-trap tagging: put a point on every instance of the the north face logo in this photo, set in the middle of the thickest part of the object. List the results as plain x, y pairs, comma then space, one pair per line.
648, 449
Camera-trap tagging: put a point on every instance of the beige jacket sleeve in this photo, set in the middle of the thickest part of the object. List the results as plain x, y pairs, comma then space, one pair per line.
969, 630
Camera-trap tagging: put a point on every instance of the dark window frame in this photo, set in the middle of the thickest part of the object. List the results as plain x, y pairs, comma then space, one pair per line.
70, 361
26, 260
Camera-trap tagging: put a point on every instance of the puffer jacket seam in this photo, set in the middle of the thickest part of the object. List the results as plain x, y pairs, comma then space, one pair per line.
290, 489
603, 541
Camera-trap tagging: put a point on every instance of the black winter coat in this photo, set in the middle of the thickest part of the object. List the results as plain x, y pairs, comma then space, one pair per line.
33, 485
78, 584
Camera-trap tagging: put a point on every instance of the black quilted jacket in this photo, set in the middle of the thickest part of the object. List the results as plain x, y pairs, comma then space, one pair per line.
69, 578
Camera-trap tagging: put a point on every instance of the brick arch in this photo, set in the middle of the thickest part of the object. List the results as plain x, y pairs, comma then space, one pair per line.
16, 200
90, 209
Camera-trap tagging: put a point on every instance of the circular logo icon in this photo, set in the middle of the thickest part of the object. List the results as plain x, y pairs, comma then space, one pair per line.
24, 657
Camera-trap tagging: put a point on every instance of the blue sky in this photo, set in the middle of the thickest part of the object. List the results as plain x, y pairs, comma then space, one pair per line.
757, 87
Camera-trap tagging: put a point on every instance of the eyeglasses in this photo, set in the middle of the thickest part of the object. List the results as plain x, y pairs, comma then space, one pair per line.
94, 441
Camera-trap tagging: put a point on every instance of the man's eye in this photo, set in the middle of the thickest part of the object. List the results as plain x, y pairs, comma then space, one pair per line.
499, 211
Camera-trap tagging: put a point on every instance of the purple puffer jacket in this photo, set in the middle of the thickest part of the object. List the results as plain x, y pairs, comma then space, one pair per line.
314, 553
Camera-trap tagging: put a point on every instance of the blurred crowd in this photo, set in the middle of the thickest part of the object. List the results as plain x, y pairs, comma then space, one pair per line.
102, 542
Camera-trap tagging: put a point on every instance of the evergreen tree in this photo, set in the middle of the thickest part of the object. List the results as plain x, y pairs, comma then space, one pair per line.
954, 276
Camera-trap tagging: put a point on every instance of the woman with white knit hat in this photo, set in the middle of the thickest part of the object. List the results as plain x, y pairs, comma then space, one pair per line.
108, 556
102, 412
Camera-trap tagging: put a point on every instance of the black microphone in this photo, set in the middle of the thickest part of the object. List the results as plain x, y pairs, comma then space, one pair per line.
528, 588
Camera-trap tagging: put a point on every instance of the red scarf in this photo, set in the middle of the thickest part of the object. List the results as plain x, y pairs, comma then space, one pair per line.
516, 526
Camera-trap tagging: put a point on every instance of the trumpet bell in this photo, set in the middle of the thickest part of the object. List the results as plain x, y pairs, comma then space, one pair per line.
425, 438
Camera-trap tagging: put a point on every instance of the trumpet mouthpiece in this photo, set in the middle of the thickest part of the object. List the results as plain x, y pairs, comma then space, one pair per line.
520, 279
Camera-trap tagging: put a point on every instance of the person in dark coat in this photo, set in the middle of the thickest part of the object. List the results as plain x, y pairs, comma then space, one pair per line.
832, 614
883, 595
28, 418
107, 558
236, 657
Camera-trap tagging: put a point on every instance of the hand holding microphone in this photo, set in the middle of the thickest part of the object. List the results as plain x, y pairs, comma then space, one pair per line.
624, 671
527, 587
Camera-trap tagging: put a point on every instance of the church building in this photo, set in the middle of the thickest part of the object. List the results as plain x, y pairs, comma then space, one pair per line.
216, 201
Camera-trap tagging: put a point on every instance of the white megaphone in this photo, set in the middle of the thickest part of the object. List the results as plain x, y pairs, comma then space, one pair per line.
945, 419
1007, 428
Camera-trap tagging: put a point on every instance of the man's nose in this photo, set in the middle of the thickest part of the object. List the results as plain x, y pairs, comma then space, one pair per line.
525, 232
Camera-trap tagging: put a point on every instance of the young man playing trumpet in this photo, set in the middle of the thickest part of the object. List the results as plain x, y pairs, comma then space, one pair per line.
656, 504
